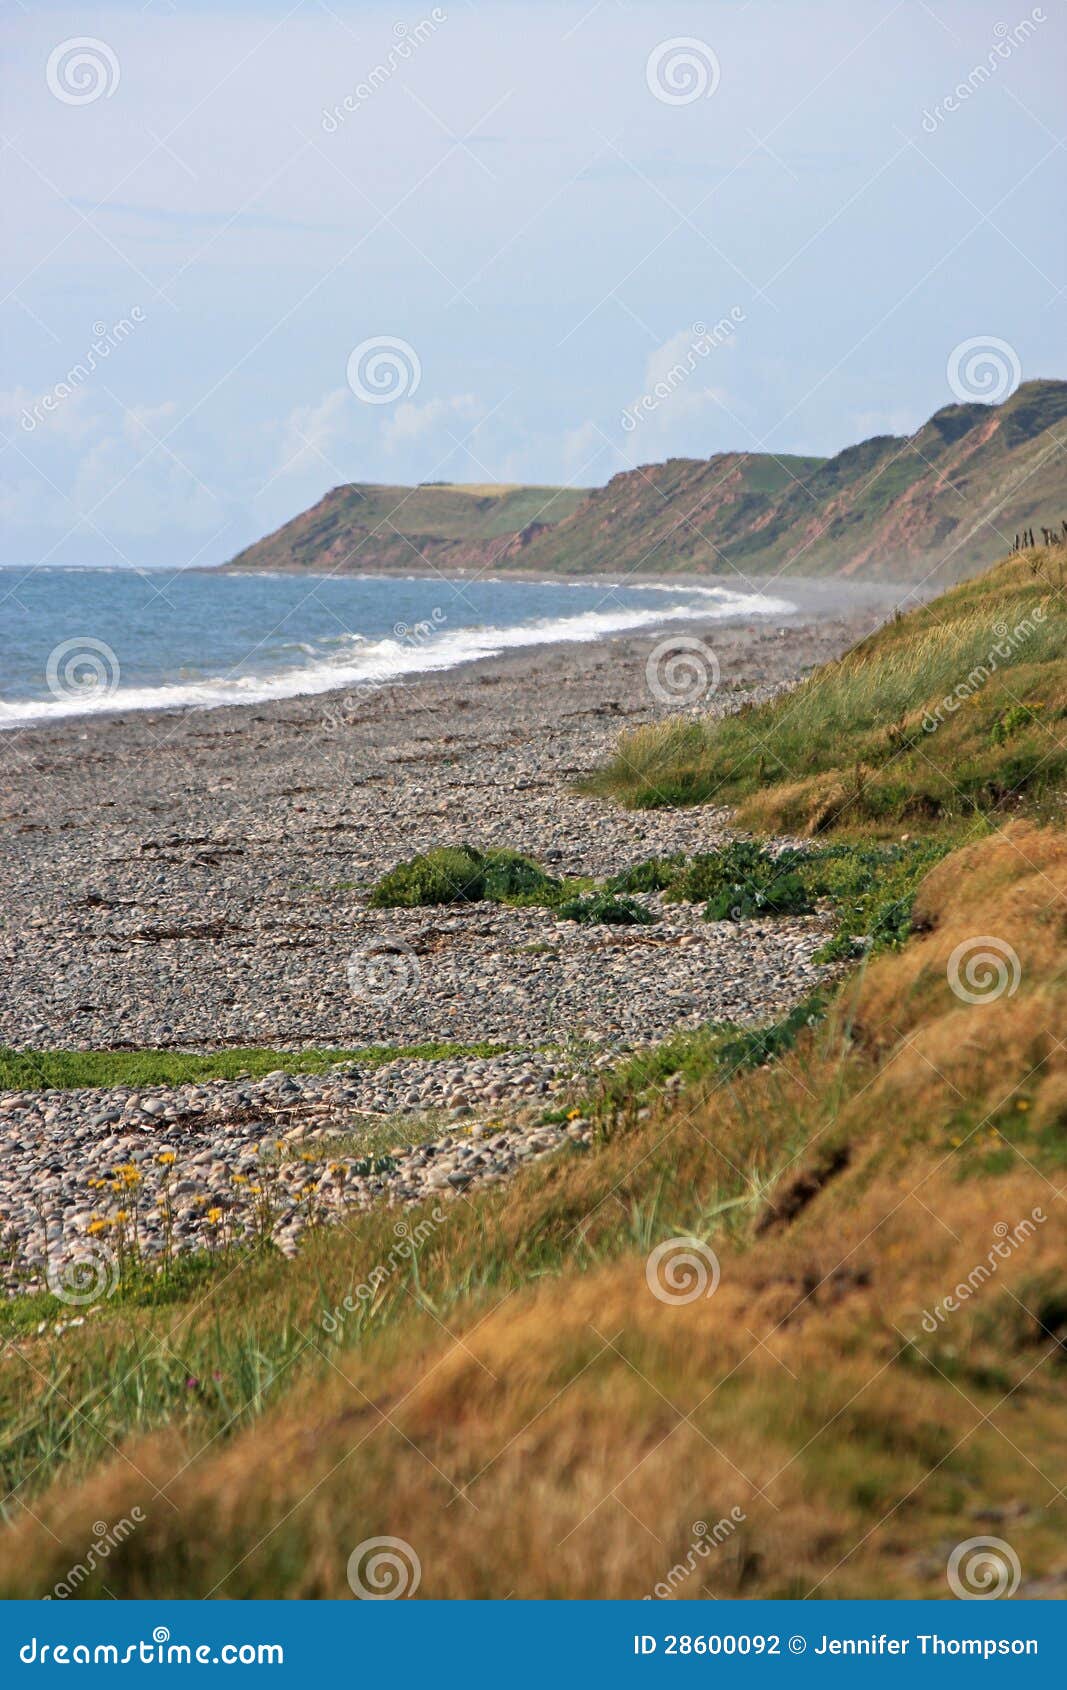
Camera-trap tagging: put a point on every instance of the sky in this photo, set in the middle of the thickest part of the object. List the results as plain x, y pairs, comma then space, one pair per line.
257, 250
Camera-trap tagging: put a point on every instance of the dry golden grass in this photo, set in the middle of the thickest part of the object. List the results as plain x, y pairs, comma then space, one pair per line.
558, 1431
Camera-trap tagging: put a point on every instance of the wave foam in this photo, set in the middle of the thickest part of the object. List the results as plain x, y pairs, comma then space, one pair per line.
374, 662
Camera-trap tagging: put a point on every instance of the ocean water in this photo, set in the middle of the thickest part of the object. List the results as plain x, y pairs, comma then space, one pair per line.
74, 641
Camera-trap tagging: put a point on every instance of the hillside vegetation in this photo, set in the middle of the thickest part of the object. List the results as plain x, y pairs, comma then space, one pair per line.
938, 505
518, 1405
860, 1368
951, 714
366, 528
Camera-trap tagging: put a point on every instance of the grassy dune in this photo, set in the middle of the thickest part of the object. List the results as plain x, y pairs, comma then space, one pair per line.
513, 1386
514, 1400
954, 712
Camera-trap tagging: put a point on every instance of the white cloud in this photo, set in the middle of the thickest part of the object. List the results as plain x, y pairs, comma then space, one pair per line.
676, 386
409, 422
314, 432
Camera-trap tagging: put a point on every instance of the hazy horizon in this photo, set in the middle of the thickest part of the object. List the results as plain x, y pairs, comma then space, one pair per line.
546, 216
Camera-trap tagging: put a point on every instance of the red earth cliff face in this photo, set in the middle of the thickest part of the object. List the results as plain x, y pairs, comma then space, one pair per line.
939, 505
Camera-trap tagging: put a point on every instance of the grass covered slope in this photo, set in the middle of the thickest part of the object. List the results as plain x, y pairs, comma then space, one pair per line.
366, 527
934, 505
535, 1405
954, 711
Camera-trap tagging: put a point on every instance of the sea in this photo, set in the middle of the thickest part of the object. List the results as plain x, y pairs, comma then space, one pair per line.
75, 641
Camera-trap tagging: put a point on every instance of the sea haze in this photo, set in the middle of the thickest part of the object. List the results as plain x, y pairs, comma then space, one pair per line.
74, 641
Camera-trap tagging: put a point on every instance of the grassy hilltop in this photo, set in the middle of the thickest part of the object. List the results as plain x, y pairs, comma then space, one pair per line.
939, 505
364, 527
518, 1402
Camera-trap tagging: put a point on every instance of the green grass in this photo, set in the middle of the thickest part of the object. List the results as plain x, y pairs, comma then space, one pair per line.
954, 711
234, 1341
698, 1060
64, 1070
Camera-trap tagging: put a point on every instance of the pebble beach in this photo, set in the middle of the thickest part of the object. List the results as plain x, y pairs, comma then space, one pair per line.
197, 881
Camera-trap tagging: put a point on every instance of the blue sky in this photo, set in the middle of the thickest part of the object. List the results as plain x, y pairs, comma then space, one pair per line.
546, 205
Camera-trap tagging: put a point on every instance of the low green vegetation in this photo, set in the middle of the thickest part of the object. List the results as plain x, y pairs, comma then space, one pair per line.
604, 907
870, 887
460, 874
654, 874
743, 879
698, 1060
953, 712
64, 1070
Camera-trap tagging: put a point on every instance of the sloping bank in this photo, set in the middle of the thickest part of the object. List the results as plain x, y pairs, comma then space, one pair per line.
787, 1330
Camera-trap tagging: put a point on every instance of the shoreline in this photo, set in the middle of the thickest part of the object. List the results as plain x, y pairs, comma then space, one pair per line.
793, 604
197, 881
189, 879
